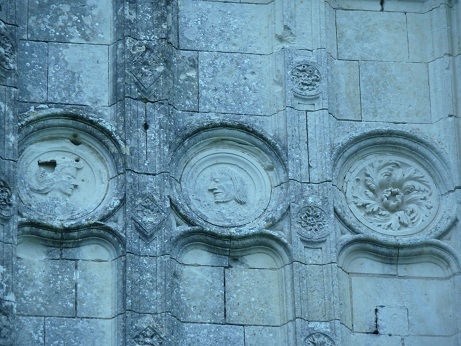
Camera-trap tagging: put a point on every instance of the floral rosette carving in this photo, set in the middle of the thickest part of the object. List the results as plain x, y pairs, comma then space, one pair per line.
312, 222
306, 79
392, 196
6, 200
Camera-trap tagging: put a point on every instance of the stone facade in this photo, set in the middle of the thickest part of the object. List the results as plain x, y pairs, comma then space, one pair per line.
248, 173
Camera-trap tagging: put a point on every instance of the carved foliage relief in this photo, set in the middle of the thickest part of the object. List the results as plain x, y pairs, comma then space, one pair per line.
6, 200
306, 79
7, 51
392, 195
311, 222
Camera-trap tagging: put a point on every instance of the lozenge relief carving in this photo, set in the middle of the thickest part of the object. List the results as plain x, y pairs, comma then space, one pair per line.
393, 196
306, 79
150, 336
147, 64
318, 339
148, 216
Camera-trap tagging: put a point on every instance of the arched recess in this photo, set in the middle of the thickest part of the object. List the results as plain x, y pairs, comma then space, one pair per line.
242, 286
69, 287
399, 292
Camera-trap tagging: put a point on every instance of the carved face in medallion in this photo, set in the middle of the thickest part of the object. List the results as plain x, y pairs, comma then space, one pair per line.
57, 176
227, 185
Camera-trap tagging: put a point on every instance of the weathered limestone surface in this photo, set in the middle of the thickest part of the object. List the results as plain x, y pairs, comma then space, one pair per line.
227, 172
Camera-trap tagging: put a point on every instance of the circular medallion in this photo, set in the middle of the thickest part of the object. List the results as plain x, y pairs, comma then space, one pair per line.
393, 195
67, 175
395, 186
228, 178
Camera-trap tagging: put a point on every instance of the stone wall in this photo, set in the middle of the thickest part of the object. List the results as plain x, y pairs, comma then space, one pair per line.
210, 172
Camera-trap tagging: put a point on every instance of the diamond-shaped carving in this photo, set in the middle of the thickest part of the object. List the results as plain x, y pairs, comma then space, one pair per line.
148, 216
149, 336
147, 65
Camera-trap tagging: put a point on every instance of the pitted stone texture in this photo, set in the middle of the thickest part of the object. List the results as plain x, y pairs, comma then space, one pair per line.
79, 21
45, 287
82, 285
201, 294
230, 81
368, 35
193, 334
344, 94
426, 306
33, 70
96, 287
358, 339
78, 74
216, 26
387, 94
186, 80
428, 35
78, 332
30, 331
146, 290
253, 297
431, 340
264, 336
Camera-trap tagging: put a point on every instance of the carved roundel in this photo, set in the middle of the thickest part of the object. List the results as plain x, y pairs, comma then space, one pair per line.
391, 194
69, 172
306, 79
311, 222
393, 189
229, 178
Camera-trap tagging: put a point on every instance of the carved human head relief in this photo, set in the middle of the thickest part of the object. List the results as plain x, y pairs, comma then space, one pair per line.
228, 178
57, 176
227, 185
68, 170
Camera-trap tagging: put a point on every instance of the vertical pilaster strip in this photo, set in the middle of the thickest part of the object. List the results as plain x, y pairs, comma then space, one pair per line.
8, 158
149, 52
